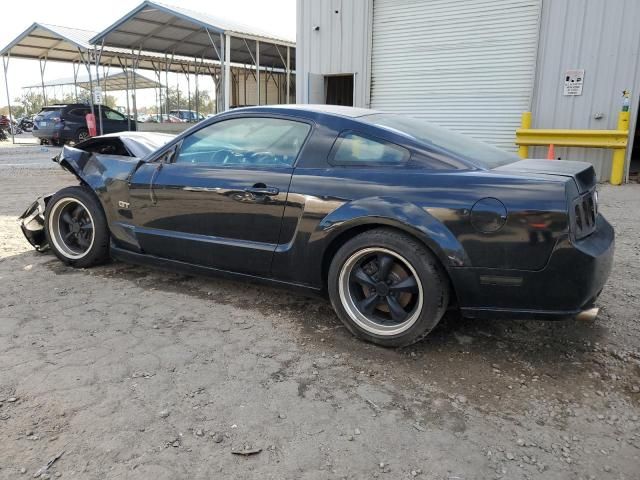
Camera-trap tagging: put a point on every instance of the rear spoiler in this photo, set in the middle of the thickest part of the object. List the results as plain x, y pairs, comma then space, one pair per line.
583, 173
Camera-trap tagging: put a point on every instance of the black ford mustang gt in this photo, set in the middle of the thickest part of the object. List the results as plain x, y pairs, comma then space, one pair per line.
396, 219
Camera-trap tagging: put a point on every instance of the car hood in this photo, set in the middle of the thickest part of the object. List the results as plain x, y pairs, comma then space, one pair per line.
94, 168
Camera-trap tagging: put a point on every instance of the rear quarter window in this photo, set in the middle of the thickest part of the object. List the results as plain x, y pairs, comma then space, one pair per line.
78, 112
353, 149
49, 113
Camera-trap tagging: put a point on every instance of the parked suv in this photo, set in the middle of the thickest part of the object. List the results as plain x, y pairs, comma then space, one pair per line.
187, 115
58, 124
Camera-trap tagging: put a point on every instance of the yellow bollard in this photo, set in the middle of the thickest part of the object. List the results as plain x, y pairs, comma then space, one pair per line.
523, 150
619, 154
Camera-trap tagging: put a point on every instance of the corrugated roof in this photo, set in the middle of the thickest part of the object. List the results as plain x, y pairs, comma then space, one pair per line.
65, 44
112, 82
157, 27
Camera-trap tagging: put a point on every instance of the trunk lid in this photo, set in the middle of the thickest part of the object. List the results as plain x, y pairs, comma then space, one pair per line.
582, 173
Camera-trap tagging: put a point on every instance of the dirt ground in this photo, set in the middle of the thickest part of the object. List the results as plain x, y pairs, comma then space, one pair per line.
133, 373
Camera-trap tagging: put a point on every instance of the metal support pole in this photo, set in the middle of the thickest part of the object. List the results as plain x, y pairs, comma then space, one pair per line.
166, 86
135, 106
158, 91
43, 65
197, 99
98, 58
258, 69
166, 80
244, 78
75, 80
87, 64
288, 75
227, 72
126, 76
177, 90
5, 67
188, 75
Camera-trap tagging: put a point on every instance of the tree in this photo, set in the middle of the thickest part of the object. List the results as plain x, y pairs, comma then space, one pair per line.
31, 102
205, 104
16, 110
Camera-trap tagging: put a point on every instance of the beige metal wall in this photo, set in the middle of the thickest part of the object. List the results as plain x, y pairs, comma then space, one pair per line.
273, 88
341, 45
603, 38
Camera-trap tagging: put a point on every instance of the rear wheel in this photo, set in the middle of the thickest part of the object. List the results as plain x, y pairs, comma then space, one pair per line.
81, 135
387, 288
76, 227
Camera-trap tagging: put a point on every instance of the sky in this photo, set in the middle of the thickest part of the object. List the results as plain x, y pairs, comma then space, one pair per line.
278, 16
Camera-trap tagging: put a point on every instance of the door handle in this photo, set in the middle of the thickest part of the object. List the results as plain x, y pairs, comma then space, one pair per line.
263, 190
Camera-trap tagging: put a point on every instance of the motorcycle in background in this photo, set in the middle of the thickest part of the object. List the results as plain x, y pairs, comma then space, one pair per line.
5, 124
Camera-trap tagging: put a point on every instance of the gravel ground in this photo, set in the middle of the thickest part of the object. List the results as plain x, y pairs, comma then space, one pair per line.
134, 373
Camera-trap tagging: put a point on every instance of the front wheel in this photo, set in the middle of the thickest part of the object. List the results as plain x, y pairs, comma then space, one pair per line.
76, 228
388, 288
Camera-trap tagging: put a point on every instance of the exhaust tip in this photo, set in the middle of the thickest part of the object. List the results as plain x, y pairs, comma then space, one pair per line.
588, 315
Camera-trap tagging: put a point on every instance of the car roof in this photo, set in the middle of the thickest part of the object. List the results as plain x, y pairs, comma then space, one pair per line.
66, 105
337, 110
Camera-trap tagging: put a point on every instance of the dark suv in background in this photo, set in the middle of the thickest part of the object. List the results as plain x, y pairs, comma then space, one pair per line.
187, 115
58, 124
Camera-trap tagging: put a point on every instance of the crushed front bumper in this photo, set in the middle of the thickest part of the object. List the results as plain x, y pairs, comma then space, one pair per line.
32, 223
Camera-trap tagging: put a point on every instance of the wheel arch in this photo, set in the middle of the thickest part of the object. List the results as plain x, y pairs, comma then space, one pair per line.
355, 229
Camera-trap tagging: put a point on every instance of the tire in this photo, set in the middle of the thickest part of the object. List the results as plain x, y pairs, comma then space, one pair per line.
76, 228
387, 288
81, 135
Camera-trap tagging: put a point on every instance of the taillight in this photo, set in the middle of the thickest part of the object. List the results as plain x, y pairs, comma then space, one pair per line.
585, 214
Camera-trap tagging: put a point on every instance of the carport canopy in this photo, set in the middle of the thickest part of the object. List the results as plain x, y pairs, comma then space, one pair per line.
56, 43
175, 30
172, 31
45, 42
112, 82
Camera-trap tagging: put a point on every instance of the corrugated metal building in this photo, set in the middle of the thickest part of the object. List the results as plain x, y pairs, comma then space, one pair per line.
475, 65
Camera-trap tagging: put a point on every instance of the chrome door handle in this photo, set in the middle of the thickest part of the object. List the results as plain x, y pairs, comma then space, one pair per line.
263, 190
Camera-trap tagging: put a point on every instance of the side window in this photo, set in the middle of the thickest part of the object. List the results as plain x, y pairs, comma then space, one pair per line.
79, 112
354, 149
245, 142
113, 115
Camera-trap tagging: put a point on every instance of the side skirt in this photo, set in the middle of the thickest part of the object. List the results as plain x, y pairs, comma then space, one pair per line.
128, 256
508, 314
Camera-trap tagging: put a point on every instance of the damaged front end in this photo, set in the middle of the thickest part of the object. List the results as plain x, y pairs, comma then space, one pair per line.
32, 223
97, 172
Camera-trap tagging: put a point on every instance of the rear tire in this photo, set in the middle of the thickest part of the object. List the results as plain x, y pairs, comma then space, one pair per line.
387, 288
81, 135
76, 228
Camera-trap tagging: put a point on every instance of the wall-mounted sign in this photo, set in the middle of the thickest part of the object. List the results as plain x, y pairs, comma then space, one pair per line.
573, 80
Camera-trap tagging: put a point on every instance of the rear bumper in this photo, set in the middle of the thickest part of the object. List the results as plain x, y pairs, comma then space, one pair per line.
569, 283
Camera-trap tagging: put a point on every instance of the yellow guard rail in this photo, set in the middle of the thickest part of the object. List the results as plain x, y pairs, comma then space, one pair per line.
615, 139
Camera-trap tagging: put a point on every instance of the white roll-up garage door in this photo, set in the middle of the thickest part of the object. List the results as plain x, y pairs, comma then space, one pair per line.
466, 64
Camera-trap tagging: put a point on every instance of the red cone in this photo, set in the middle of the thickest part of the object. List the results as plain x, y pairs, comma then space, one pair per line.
551, 154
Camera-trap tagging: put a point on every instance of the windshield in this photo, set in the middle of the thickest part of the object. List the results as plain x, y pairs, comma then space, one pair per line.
49, 113
461, 146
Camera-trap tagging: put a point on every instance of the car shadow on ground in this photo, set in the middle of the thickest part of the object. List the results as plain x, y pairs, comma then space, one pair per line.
536, 343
